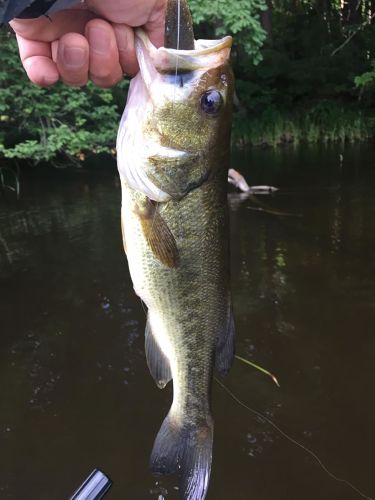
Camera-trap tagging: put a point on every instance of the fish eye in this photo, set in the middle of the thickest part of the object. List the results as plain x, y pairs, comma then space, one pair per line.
211, 102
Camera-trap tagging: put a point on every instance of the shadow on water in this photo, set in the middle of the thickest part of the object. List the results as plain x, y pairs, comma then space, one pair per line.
75, 390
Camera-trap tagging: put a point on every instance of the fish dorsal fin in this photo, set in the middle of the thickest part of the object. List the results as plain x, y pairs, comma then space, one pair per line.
157, 361
157, 233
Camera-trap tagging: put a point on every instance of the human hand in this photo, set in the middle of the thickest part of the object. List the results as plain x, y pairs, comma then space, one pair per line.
94, 40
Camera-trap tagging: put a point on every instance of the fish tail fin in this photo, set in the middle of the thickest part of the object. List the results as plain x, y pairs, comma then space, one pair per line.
186, 449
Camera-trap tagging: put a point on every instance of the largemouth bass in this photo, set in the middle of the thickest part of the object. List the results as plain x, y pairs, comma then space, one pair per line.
173, 156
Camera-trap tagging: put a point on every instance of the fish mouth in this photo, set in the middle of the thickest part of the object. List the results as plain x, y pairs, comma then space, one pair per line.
181, 52
207, 54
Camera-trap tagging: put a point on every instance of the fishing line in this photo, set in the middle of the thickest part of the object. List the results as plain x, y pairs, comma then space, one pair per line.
177, 47
293, 441
178, 26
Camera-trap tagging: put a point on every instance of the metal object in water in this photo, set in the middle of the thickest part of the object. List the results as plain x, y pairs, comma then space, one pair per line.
95, 487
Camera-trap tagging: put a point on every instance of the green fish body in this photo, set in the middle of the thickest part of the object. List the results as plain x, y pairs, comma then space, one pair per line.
173, 156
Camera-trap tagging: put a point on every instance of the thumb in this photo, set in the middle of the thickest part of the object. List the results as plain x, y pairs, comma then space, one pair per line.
156, 23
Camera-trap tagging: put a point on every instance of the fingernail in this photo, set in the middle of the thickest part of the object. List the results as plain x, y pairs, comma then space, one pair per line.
50, 80
73, 57
99, 40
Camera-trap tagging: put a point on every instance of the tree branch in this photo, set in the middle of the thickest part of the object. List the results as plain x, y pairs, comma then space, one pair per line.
353, 34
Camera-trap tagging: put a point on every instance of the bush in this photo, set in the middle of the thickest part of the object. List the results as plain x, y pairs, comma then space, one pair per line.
58, 123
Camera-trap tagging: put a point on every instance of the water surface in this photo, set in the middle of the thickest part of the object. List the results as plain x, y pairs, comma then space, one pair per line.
75, 390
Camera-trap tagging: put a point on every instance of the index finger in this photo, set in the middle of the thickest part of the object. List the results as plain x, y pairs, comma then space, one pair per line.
37, 61
43, 29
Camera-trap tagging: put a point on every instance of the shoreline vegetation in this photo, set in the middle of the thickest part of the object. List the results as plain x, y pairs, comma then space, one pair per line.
317, 125
305, 73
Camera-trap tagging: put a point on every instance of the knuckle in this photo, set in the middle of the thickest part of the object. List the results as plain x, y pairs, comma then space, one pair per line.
110, 81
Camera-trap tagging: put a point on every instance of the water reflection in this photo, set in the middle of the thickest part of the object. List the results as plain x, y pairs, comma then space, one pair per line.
75, 388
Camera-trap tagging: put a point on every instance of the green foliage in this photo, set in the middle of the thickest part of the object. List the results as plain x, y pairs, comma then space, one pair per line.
48, 124
366, 84
366, 79
240, 19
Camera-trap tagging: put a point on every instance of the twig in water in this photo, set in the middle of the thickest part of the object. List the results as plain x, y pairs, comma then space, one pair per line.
257, 367
273, 212
263, 207
296, 443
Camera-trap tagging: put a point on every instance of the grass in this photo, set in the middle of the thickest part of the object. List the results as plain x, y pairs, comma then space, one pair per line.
325, 122
259, 368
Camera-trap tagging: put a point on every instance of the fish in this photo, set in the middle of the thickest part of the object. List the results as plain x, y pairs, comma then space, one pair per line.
173, 151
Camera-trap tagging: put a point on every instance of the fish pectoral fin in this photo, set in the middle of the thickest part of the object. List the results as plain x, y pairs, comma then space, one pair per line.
157, 361
186, 448
225, 346
157, 234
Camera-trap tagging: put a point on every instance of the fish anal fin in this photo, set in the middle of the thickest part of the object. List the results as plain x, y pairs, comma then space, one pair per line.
157, 361
226, 345
157, 234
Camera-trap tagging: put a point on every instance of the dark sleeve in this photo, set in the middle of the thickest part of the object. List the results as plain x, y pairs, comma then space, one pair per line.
26, 9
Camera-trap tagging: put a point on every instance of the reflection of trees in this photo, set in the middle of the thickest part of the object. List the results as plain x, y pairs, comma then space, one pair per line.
278, 263
260, 270
349, 222
77, 211
69, 307
350, 228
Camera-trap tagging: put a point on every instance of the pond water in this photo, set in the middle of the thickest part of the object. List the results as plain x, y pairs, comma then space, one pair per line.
75, 390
